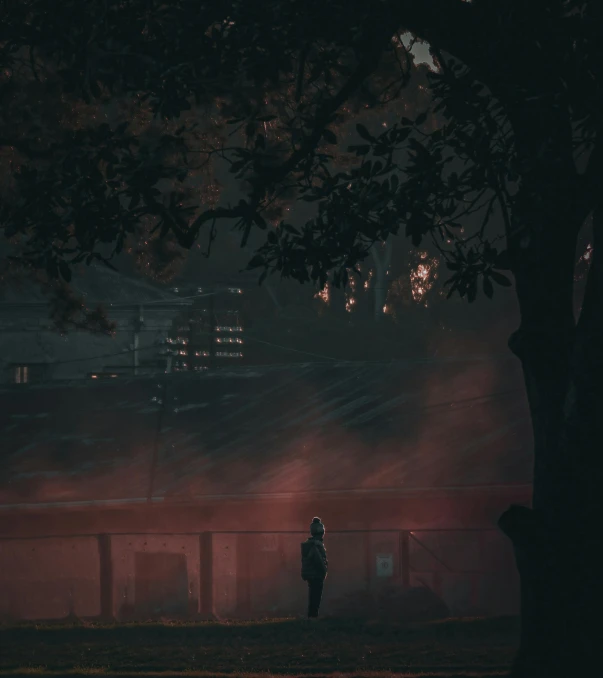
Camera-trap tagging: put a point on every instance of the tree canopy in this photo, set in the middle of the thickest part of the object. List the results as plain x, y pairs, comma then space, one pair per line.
113, 114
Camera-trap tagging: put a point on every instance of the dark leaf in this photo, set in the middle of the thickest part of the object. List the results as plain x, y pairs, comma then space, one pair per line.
289, 228
501, 279
360, 150
488, 287
364, 133
65, 271
402, 135
52, 268
451, 291
256, 261
236, 166
329, 137
259, 221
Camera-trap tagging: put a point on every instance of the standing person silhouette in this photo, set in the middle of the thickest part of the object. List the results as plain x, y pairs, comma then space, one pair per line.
314, 566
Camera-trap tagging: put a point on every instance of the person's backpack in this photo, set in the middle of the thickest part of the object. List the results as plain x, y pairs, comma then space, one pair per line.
312, 562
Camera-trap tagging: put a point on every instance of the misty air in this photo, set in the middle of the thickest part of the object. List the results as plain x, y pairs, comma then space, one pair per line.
300, 331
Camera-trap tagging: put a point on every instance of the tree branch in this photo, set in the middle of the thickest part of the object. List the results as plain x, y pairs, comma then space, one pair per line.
368, 63
187, 238
300, 72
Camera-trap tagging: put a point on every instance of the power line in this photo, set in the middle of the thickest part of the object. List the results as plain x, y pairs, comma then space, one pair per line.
294, 350
489, 357
175, 299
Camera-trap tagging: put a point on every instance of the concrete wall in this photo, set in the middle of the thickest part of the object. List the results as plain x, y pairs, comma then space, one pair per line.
237, 574
49, 578
224, 570
169, 603
472, 572
245, 574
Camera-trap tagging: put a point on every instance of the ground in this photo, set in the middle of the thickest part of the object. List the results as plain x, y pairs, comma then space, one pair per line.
480, 648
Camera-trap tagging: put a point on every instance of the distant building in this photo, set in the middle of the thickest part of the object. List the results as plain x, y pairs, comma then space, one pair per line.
31, 350
209, 332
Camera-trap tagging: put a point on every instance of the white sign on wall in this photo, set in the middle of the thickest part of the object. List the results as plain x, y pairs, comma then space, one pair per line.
269, 542
385, 565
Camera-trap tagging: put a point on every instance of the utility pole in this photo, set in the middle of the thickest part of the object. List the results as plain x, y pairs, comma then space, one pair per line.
382, 259
212, 329
138, 324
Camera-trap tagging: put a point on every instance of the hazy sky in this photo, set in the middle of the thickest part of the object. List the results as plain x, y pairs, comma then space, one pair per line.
420, 50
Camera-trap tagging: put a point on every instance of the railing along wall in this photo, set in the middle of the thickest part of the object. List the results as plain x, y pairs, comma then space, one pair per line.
407, 541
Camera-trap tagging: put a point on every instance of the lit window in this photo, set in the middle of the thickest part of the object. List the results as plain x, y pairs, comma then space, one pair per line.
21, 374
229, 340
228, 328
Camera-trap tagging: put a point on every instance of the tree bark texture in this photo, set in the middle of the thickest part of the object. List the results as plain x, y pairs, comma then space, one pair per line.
558, 543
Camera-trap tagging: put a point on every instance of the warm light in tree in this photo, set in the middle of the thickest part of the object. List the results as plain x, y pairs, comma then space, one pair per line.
324, 294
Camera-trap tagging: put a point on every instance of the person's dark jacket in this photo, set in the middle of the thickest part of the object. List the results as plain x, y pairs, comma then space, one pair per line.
314, 559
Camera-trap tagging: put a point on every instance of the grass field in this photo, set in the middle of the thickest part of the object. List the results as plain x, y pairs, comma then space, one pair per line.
331, 647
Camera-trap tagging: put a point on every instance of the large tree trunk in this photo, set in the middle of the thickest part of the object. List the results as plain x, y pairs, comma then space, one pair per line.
558, 542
